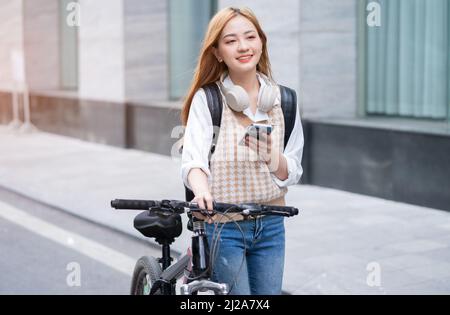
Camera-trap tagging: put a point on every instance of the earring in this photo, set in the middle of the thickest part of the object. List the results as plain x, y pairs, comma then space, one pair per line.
220, 60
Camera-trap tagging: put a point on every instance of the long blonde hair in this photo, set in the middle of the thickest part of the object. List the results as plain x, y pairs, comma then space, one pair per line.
208, 68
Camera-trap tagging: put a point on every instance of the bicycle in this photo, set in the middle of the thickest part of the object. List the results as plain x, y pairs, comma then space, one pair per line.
161, 220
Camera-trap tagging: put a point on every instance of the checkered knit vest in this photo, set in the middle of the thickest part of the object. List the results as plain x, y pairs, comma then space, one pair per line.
238, 176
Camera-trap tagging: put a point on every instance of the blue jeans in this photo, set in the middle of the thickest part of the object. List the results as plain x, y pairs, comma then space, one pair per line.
263, 264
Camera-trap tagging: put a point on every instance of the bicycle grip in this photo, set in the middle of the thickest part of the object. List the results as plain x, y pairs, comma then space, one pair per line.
132, 204
291, 211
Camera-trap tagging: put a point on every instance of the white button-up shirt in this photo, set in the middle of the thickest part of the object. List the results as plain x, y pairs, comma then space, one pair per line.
199, 132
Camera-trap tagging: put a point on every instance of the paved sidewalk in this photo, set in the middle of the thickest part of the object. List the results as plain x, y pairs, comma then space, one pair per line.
341, 243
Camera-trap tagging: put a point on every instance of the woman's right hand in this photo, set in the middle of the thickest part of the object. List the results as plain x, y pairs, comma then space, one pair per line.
205, 201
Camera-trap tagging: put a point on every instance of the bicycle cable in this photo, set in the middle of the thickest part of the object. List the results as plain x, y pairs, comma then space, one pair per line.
216, 244
213, 255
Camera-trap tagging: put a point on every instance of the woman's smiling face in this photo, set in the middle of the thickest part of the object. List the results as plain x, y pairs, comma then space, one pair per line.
239, 45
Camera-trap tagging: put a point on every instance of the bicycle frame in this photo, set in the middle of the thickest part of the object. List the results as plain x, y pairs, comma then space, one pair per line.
165, 228
200, 267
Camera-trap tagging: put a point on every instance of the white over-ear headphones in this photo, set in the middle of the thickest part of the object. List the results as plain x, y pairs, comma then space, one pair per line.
238, 100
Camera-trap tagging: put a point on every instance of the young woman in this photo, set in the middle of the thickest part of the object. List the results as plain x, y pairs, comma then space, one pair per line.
235, 56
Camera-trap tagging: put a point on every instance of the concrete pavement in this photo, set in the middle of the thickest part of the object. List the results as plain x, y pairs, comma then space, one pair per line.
341, 243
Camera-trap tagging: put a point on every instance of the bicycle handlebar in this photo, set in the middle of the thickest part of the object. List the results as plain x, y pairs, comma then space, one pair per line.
181, 206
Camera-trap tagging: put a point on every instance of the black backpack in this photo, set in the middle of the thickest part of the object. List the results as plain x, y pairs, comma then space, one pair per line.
214, 99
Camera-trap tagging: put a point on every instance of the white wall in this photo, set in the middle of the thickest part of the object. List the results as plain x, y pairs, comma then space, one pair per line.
11, 38
146, 50
41, 41
101, 50
328, 54
312, 47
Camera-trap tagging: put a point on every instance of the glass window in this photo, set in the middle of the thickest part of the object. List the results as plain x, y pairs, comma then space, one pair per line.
407, 59
188, 21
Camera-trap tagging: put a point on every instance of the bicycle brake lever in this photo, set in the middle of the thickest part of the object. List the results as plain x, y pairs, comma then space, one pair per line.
174, 205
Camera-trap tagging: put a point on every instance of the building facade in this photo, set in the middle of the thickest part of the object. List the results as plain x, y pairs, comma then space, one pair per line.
372, 79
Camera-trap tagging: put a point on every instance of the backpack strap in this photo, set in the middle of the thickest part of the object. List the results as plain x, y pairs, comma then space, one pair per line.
214, 100
289, 107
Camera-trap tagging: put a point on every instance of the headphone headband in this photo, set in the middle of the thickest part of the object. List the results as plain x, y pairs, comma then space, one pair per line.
237, 98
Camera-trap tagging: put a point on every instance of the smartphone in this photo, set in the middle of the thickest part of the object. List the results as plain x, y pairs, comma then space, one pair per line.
254, 129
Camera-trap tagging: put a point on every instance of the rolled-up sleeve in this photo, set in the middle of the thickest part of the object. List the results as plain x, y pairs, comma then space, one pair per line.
293, 154
197, 138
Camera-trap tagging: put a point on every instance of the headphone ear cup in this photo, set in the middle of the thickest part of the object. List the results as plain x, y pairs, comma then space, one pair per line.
237, 98
268, 96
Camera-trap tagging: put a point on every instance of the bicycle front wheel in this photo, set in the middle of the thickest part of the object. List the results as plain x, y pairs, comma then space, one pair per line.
146, 272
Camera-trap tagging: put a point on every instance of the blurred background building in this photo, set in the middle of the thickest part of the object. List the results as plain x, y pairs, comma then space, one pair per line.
372, 79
